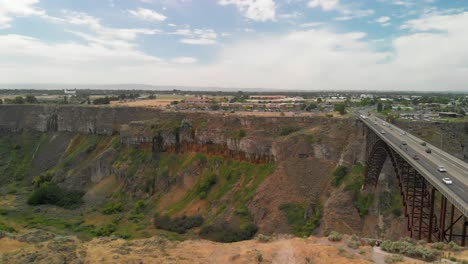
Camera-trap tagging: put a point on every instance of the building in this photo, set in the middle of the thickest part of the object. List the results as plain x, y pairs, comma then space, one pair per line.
448, 114
69, 92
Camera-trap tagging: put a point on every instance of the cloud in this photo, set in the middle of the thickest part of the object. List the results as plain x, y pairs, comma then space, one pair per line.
11, 8
147, 14
184, 60
347, 12
382, 19
197, 36
258, 10
103, 32
309, 59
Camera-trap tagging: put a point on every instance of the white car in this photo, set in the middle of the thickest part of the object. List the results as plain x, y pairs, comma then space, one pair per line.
447, 181
383, 131
400, 134
441, 168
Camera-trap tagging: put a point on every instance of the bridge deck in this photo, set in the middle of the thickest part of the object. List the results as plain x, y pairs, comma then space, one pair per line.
426, 165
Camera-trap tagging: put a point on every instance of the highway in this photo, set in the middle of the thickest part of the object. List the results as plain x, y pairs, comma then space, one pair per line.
426, 163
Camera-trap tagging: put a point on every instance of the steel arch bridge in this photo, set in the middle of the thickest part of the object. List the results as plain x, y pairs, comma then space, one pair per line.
429, 214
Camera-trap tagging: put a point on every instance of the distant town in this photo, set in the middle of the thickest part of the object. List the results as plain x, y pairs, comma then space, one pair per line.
430, 107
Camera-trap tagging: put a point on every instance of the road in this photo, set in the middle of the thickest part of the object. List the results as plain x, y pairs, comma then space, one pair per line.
427, 163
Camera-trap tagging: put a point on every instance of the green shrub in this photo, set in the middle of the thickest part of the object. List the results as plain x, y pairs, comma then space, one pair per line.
393, 259
179, 225
438, 245
309, 139
338, 175
51, 193
105, 230
353, 244
288, 130
335, 236
454, 246
112, 208
239, 134
205, 186
408, 248
228, 233
295, 213
259, 256
6, 228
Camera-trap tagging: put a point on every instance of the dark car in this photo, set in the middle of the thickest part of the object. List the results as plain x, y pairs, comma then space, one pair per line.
428, 150
423, 143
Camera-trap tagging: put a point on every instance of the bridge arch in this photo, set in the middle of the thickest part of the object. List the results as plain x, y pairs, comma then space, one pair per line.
418, 195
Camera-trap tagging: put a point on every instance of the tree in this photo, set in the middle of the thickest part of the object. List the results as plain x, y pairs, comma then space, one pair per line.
18, 100
31, 99
379, 107
341, 108
319, 100
311, 107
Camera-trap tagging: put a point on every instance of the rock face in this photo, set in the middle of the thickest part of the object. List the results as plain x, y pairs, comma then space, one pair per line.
175, 132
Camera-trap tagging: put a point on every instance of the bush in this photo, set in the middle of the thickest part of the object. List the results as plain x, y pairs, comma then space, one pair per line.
112, 208
353, 244
408, 248
227, 233
454, 246
335, 236
338, 175
205, 186
288, 130
52, 194
105, 230
394, 259
302, 226
179, 225
438, 245
6, 228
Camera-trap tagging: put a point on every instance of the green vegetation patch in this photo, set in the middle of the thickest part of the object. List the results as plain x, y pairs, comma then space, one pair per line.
284, 131
338, 175
410, 249
302, 226
179, 224
52, 194
16, 155
353, 183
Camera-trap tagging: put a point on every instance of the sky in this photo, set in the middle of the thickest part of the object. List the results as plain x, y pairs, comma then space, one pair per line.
417, 45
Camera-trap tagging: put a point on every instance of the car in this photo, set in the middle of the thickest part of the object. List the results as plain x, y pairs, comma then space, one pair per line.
447, 181
428, 150
441, 168
423, 143
404, 133
415, 157
382, 132
404, 143
383, 123
400, 134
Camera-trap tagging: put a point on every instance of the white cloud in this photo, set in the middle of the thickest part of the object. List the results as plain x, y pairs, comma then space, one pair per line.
306, 59
382, 19
326, 5
12, 8
147, 14
184, 60
347, 12
103, 32
311, 24
258, 10
197, 36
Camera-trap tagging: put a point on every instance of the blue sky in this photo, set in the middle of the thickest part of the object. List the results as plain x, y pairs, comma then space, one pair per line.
288, 44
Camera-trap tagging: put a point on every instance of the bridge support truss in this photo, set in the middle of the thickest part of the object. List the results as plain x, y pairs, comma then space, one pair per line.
429, 215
